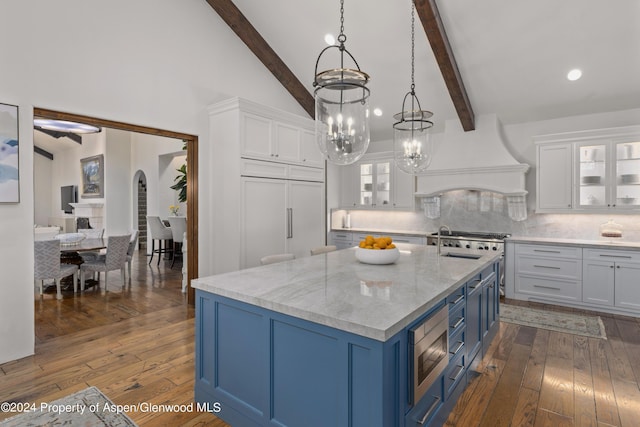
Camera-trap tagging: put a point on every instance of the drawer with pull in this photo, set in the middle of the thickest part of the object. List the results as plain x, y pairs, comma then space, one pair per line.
548, 287
549, 251
568, 269
611, 255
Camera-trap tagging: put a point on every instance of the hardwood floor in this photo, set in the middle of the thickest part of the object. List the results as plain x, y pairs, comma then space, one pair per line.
137, 345
536, 377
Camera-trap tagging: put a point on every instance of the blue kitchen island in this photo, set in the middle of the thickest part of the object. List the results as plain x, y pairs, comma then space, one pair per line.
328, 341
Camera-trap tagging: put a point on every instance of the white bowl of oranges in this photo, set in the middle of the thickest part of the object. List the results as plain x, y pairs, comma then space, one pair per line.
377, 250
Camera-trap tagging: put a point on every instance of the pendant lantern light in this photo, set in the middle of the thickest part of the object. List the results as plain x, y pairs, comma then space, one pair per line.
342, 109
411, 133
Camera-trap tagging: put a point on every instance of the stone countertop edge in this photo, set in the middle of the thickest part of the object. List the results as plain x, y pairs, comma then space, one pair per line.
379, 232
600, 244
368, 325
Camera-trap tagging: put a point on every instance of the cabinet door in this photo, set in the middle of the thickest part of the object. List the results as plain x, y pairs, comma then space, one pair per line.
255, 136
309, 151
626, 190
287, 143
593, 176
349, 185
404, 188
367, 182
264, 219
554, 177
382, 184
597, 283
627, 290
306, 217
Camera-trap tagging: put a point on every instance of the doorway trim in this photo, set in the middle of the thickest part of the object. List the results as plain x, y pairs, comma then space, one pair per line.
192, 177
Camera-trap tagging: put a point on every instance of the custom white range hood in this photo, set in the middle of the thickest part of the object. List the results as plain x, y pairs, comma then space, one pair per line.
476, 160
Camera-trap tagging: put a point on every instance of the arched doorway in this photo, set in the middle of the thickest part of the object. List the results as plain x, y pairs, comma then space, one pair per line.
139, 204
191, 143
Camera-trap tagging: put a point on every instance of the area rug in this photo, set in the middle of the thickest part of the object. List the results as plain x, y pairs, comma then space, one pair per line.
88, 407
588, 326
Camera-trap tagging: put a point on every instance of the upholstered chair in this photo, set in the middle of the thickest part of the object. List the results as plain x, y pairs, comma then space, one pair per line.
178, 228
160, 233
323, 249
131, 249
114, 259
47, 265
272, 259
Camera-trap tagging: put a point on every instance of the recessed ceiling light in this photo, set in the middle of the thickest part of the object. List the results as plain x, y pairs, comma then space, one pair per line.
329, 39
377, 112
65, 126
574, 74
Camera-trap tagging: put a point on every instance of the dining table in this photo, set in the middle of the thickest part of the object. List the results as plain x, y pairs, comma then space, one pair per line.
70, 253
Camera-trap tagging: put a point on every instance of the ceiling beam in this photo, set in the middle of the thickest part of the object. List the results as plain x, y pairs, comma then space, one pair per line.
433, 27
260, 48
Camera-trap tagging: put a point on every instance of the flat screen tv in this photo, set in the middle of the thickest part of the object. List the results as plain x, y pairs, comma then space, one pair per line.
68, 194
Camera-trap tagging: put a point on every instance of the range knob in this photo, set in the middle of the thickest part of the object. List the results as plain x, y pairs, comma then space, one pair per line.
495, 248
486, 248
480, 248
468, 246
457, 245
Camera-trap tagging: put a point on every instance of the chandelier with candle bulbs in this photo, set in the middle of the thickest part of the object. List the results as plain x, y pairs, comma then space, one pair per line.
341, 106
411, 133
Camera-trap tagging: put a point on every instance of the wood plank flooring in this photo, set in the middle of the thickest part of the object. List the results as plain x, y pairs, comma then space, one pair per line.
137, 345
535, 377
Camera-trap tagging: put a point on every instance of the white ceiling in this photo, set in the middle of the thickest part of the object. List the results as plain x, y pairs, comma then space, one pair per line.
513, 56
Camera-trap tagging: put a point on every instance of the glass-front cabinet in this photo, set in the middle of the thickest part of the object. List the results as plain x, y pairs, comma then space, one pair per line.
627, 175
375, 183
608, 175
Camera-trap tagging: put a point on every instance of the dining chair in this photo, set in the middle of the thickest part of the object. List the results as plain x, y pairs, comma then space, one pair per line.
82, 223
48, 266
162, 234
131, 249
323, 249
272, 259
178, 228
114, 259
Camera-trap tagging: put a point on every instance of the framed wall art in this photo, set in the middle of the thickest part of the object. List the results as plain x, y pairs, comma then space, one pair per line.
9, 164
92, 177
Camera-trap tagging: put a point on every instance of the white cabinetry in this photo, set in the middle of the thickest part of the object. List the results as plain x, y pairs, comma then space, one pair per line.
549, 271
555, 177
590, 171
266, 182
268, 139
581, 275
280, 216
612, 278
342, 239
375, 182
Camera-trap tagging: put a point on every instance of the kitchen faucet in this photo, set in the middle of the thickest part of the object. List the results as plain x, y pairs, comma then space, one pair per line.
445, 227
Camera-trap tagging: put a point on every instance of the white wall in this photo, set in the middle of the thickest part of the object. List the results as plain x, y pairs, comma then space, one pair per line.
117, 178
44, 200
155, 63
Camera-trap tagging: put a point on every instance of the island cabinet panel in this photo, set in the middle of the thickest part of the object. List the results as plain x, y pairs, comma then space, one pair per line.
263, 367
270, 369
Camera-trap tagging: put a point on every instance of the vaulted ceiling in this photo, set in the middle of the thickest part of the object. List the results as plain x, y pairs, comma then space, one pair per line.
472, 58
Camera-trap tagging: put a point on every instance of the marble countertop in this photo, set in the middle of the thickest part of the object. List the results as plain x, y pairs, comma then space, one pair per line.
334, 289
599, 244
379, 232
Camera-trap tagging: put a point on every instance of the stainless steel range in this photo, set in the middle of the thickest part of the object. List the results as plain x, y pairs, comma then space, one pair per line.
470, 240
473, 240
